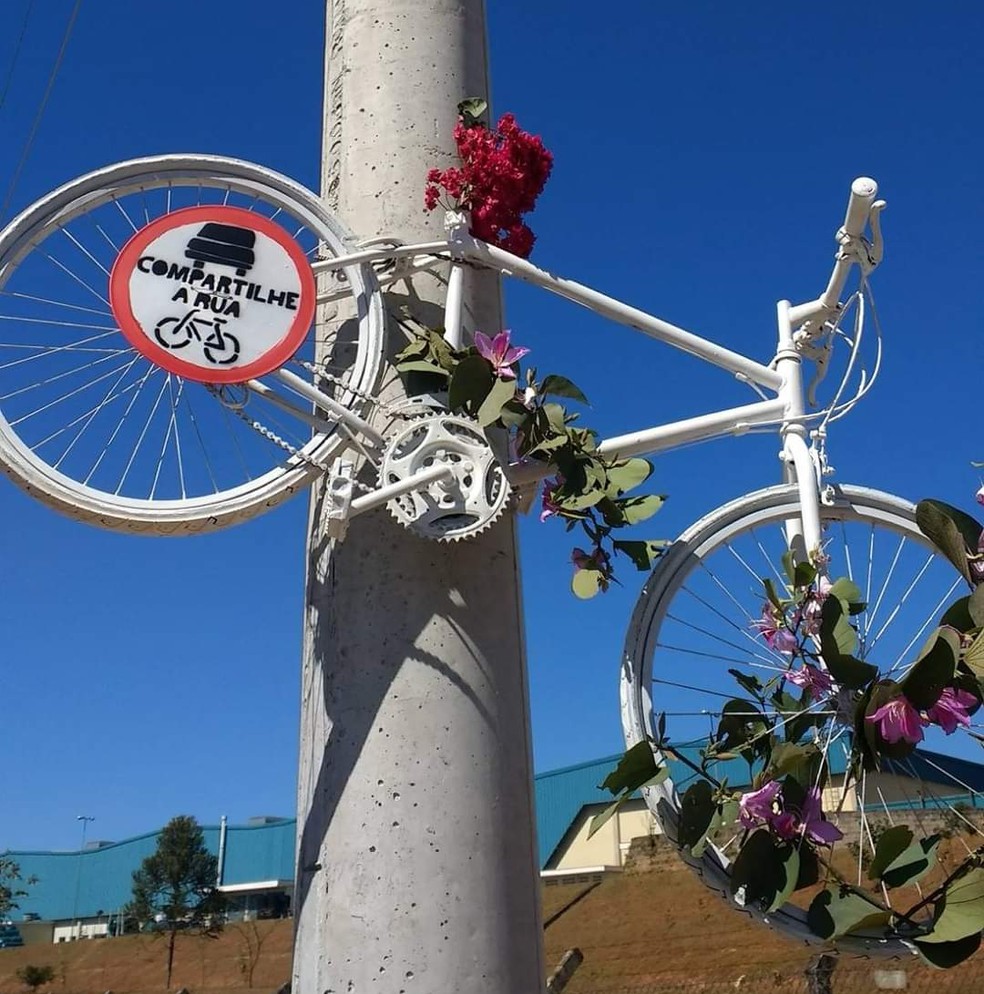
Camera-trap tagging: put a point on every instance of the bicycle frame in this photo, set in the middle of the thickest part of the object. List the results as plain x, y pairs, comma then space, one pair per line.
782, 377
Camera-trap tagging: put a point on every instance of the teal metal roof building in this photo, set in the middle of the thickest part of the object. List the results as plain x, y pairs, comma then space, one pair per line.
261, 856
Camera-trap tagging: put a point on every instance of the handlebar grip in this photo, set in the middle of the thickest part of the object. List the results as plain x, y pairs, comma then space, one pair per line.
863, 193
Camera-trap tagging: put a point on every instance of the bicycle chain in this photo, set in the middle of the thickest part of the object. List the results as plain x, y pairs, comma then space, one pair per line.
261, 429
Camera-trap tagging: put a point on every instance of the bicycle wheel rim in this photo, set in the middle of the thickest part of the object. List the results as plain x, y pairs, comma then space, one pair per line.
286, 454
647, 678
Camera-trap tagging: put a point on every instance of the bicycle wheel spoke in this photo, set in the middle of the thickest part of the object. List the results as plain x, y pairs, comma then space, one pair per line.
60, 376
62, 398
84, 250
78, 279
88, 417
201, 442
55, 303
151, 371
143, 434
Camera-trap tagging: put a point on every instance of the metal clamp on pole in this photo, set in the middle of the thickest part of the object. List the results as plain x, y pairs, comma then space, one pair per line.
338, 499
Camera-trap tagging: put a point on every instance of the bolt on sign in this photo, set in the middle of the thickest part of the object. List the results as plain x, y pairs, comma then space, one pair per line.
216, 294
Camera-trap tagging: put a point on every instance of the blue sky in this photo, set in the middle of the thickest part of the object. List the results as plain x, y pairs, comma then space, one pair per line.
703, 155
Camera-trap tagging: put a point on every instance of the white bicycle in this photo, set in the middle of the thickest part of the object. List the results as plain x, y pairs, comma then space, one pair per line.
95, 428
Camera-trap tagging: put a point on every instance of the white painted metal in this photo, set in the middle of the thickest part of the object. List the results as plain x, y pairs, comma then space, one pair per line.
641, 654
199, 513
498, 259
416, 859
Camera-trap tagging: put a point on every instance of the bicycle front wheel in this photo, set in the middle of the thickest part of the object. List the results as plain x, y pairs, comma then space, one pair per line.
161, 438
694, 627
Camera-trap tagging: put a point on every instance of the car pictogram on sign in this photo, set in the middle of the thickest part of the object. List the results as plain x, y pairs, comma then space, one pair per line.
225, 245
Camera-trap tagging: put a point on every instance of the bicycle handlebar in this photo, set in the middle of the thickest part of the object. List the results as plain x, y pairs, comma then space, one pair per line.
861, 208
863, 192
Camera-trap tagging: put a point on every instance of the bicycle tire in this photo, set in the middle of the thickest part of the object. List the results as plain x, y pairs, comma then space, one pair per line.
642, 654
282, 467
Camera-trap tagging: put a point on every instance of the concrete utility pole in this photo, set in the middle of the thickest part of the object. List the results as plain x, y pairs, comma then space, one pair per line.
417, 869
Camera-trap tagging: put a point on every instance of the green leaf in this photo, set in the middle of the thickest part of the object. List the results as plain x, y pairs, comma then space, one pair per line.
976, 605
833, 914
771, 595
472, 109
950, 530
974, 655
933, 670
501, 393
470, 384
789, 565
846, 590
809, 872
421, 366
560, 386
891, 844
636, 509
748, 682
623, 476
850, 671
944, 955
957, 615
798, 761
913, 863
586, 583
804, 574
960, 912
741, 721
643, 554
634, 769
725, 814
697, 808
603, 816
764, 874
837, 637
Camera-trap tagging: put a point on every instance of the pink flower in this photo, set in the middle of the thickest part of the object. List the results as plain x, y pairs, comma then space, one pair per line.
813, 678
777, 636
808, 822
759, 805
813, 824
952, 709
499, 353
548, 507
898, 721
977, 562
809, 615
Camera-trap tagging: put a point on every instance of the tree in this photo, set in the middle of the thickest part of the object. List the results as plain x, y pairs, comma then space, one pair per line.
9, 891
176, 885
34, 976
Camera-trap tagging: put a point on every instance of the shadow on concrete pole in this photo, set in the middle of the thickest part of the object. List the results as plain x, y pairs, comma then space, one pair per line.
417, 871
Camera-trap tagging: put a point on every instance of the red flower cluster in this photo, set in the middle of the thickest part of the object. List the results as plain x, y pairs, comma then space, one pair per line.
502, 173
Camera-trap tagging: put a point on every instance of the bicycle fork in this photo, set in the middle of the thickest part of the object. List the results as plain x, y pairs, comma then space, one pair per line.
798, 467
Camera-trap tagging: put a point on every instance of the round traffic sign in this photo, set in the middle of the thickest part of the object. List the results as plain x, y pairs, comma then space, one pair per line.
215, 294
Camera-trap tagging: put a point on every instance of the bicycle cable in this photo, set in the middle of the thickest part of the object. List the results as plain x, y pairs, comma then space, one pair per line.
17, 51
41, 108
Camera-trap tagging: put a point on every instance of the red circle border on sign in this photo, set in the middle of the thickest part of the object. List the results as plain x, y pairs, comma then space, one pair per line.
126, 261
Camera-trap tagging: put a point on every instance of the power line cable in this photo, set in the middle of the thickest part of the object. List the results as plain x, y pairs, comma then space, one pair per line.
41, 107
17, 51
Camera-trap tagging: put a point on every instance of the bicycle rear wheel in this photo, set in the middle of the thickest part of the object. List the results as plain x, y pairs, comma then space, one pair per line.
694, 622
94, 427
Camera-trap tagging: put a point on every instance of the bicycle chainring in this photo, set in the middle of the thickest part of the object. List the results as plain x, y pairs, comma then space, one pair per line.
456, 508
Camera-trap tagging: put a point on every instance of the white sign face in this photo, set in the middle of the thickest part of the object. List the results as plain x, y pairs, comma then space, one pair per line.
215, 294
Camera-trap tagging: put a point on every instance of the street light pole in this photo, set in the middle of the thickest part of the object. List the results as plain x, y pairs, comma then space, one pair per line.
416, 868
85, 819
